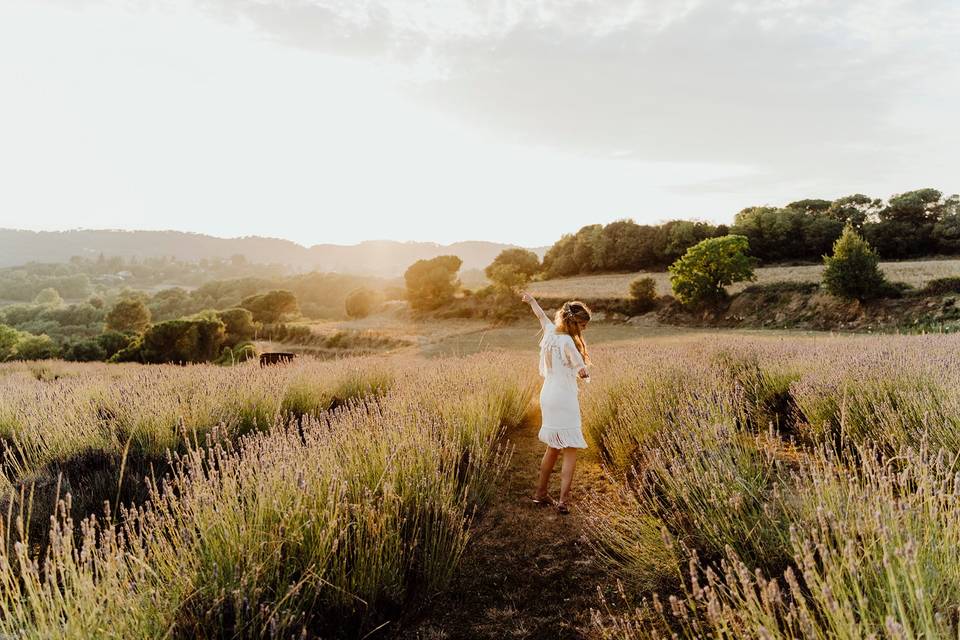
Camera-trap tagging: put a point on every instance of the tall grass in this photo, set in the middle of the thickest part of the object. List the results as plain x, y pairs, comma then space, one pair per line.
329, 524
869, 559
804, 490
767, 489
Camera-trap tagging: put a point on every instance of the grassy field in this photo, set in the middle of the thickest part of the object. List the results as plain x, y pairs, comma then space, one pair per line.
616, 285
804, 486
461, 337
310, 500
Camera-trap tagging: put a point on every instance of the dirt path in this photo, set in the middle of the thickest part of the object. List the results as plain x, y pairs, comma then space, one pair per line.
529, 572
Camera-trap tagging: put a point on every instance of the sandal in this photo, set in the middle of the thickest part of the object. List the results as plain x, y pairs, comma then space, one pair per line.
562, 509
545, 501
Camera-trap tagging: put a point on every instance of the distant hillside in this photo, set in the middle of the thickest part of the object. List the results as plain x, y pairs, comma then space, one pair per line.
380, 257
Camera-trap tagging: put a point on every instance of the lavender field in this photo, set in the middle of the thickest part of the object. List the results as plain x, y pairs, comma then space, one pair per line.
756, 488
309, 500
782, 489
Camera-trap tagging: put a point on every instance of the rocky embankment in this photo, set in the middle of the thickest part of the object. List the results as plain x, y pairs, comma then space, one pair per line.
798, 306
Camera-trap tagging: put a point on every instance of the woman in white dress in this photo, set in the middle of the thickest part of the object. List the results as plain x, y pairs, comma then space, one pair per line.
563, 359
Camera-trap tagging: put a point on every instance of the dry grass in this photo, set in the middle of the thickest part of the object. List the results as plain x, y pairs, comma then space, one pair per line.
915, 273
739, 487
782, 489
280, 515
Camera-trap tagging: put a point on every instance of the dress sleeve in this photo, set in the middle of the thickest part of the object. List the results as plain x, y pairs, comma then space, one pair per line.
546, 324
572, 356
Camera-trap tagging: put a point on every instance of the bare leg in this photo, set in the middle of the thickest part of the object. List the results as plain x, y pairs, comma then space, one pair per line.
546, 468
566, 473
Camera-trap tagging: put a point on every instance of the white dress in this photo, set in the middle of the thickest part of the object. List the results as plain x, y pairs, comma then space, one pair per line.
560, 361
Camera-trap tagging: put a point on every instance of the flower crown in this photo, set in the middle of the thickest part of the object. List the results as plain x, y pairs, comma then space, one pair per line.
568, 312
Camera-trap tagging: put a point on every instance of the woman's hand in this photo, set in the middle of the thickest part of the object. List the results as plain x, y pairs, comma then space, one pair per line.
526, 297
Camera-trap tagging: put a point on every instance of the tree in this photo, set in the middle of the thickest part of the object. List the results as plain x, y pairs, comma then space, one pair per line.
238, 326
9, 337
89, 350
49, 297
360, 302
271, 307
618, 246
181, 341
758, 225
113, 342
704, 271
855, 210
31, 347
170, 303
810, 205
513, 268
680, 235
946, 232
918, 206
586, 248
905, 227
853, 270
432, 283
128, 315
643, 291
819, 234
559, 261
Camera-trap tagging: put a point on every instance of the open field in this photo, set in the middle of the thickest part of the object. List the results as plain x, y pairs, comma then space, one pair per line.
915, 273
372, 497
461, 337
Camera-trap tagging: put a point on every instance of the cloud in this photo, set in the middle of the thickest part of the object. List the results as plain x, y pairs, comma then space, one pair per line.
787, 87
776, 83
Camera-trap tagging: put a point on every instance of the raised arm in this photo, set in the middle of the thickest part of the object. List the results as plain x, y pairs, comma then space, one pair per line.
544, 320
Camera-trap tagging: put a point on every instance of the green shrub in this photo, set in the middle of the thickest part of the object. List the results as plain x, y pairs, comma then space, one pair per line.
9, 337
129, 353
894, 289
238, 326
432, 283
32, 347
180, 341
360, 302
513, 268
853, 271
237, 353
48, 297
704, 271
643, 294
272, 306
128, 315
85, 351
941, 286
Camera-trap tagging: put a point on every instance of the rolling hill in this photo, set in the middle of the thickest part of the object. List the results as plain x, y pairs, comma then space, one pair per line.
379, 257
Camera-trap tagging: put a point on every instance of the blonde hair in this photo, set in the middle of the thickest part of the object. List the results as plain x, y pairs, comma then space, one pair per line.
569, 319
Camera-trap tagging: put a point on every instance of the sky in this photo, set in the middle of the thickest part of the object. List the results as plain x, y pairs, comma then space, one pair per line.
503, 120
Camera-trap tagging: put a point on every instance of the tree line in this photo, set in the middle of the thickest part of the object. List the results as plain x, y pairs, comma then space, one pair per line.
917, 223
128, 331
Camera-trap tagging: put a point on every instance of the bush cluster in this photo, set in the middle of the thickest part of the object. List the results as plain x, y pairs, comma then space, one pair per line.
917, 223
707, 268
643, 294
